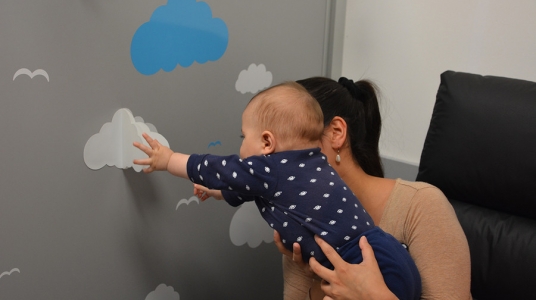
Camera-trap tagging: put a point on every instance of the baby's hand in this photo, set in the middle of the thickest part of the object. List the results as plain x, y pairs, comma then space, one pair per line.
159, 155
203, 193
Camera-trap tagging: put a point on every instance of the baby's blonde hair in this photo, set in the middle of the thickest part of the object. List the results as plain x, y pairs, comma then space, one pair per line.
289, 112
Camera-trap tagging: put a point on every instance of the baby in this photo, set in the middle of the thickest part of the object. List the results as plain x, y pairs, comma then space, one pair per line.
298, 193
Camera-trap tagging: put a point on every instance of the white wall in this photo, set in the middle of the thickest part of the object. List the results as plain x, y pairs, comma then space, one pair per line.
405, 45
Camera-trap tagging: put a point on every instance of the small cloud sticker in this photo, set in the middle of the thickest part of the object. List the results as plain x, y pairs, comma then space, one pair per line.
8, 273
163, 292
214, 144
31, 74
254, 79
112, 145
247, 226
178, 33
187, 202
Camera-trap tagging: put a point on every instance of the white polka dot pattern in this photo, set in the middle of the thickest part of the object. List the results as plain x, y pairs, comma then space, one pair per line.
297, 192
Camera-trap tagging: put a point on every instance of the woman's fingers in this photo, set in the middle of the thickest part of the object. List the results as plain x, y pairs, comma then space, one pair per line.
330, 253
296, 253
280, 246
366, 250
321, 271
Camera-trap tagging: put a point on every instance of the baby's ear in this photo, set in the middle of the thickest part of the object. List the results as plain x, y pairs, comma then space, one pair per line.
268, 142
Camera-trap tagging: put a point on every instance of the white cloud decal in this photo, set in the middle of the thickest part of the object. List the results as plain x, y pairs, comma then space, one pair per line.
8, 273
254, 79
112, 146
247, 226
163, 292
32, 74
187, 202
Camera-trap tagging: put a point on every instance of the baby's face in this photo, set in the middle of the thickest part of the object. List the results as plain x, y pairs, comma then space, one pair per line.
251, 135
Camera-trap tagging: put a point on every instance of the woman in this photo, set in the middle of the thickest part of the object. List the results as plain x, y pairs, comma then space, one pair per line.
415, 213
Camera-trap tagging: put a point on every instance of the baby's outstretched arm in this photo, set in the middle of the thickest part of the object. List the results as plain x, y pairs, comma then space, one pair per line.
161, 158
203, 193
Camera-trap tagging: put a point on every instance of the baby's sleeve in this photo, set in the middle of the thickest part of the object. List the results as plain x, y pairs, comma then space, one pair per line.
236, 199
248, 177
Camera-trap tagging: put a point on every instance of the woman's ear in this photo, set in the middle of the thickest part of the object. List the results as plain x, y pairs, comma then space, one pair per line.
337, 132
268, 142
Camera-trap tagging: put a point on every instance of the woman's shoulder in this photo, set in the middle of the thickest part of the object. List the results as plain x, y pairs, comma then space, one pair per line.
416, 191
410, 199
421, 216
415, 185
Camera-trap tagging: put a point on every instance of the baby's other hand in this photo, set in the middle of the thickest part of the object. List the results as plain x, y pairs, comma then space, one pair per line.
203, 193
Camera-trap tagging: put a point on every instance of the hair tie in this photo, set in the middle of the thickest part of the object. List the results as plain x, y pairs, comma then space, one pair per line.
350, 86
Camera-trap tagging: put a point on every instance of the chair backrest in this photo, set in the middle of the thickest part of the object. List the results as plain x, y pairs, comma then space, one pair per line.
480, 150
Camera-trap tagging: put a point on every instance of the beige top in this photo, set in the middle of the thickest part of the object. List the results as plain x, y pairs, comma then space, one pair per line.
420, 216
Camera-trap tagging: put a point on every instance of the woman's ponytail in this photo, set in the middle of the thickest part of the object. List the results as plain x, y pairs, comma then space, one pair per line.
357, 104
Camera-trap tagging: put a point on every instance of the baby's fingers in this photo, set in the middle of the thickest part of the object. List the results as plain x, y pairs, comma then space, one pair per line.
143, 148
148, 170
200, 192
142, 161
201, 188
147, 138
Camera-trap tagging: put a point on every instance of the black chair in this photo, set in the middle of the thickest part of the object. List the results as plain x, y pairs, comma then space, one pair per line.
480, 150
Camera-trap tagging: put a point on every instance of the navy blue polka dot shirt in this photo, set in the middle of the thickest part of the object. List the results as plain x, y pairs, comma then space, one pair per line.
297, 192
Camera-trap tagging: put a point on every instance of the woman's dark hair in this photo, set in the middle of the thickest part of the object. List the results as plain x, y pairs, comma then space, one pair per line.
359, 108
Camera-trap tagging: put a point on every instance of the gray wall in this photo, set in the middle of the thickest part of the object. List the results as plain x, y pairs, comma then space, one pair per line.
69, 232
396, 169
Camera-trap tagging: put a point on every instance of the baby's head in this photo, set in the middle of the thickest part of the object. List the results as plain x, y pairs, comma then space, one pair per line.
283, 117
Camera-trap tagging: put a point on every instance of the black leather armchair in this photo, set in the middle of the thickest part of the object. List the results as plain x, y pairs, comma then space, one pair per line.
480, 150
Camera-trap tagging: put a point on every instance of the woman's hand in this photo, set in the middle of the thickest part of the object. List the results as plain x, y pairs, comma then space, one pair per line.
159, 155
351, 281
295, 254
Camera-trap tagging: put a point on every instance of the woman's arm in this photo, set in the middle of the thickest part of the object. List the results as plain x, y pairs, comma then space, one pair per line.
427, 223
297, 275
351, 281
438, 245
347, 281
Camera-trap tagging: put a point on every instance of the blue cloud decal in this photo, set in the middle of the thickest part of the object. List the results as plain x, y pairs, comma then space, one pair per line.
178, 33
